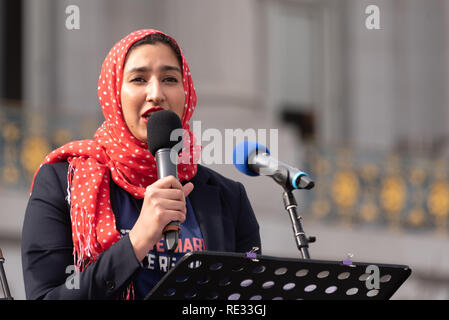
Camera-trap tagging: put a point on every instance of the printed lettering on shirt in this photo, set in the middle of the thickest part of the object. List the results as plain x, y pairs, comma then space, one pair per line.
159, 260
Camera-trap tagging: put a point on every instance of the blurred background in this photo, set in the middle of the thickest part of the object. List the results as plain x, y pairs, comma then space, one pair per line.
365, 111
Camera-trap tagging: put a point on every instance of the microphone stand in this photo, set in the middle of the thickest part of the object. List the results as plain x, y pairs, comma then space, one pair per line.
302, 242
289, 179
281, 176
3, 281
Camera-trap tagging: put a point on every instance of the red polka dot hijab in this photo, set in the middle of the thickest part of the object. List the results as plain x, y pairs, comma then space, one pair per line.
115, 153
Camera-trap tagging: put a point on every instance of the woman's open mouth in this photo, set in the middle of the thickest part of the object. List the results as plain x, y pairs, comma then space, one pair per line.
147, 114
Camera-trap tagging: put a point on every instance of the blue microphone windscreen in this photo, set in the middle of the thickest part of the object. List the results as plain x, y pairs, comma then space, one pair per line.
241, 153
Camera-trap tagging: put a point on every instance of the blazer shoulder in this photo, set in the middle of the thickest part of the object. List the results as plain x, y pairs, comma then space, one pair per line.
58, 168
212, 177
52, 173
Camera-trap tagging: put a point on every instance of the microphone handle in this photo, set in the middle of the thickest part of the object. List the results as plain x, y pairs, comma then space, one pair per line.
165, 168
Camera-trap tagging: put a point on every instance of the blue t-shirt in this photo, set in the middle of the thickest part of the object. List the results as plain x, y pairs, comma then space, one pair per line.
190, 239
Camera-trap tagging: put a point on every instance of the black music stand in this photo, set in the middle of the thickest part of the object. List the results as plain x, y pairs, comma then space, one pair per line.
3, 281
204, 275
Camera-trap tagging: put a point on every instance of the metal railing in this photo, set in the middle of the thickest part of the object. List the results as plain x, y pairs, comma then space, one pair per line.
373, 188
26, 138
353, 187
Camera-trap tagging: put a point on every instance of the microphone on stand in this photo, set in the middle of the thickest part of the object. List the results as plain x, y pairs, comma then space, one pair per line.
253, 159
160, 126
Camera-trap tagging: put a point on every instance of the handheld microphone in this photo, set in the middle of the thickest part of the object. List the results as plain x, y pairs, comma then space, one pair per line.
160, 125
254, 159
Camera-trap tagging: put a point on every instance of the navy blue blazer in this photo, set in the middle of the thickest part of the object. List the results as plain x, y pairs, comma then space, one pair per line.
221, 206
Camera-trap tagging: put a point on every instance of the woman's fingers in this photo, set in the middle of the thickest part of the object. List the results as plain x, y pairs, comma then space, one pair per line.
167, 183
170, 194
187, 188
167, 204
169, 216
164, 202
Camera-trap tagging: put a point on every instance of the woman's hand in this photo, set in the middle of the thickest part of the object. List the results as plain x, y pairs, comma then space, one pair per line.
164, 202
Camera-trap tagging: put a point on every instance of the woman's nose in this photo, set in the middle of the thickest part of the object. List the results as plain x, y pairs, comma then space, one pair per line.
154, 92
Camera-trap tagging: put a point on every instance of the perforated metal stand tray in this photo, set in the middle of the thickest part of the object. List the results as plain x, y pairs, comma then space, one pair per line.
237, 276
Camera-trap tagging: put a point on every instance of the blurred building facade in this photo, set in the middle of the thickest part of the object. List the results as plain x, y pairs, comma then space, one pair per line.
365, 111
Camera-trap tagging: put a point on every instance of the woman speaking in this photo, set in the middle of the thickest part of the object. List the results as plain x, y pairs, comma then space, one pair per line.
97, 209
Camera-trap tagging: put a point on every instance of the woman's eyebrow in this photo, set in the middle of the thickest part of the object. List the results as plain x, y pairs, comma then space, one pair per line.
146, 69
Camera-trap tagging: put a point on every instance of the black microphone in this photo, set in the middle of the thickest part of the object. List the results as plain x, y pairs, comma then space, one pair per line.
160, 127
254, 159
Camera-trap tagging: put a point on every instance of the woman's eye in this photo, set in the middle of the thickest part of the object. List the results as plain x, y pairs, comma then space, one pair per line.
170, 79
137, 79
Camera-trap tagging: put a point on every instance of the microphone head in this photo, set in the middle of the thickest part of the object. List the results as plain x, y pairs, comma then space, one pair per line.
160, 126
241, 153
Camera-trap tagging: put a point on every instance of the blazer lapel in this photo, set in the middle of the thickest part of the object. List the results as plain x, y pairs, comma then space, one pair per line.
206, 203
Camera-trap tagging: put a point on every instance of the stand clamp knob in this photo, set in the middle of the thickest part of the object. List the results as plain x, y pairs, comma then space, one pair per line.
311, 239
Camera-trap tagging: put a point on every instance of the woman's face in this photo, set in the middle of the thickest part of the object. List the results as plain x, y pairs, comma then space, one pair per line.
152, 81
